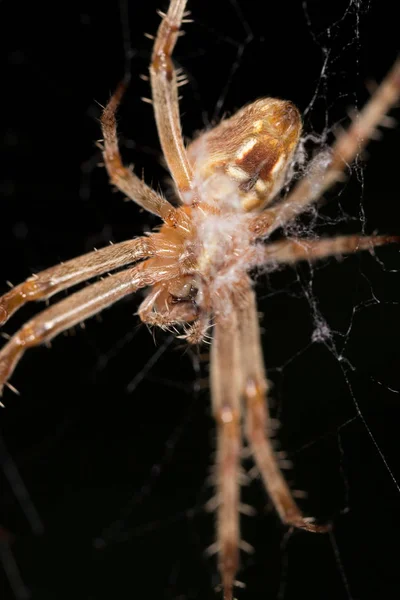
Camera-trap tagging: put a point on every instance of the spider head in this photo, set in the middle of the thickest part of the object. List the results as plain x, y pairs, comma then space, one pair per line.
247, 155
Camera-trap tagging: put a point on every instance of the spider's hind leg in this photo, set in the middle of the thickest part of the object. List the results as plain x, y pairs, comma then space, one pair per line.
255, 387
225, 386
71, 311
51, 281
293, 250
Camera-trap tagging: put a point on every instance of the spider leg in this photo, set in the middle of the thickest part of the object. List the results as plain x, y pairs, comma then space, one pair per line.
294, 250
225, 388
165, 98
72, 310
255, 389
55, 279
327, 168
123, 177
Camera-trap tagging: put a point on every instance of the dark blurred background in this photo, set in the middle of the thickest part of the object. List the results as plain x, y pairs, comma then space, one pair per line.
112, 434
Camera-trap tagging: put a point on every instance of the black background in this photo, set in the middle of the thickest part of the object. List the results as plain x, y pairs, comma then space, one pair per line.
117, 470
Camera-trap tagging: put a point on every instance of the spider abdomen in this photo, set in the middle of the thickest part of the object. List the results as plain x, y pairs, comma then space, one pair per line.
253, 149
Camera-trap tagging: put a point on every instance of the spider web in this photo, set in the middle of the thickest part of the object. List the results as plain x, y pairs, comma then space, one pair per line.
118, 478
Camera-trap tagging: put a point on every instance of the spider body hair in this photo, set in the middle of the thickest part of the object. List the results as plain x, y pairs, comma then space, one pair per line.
197, 264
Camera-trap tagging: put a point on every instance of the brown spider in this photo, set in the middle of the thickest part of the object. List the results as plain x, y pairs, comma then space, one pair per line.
197, 264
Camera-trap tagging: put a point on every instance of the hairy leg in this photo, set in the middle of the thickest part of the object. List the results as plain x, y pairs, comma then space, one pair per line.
293, 250
123, 177
74, 309
63, 276
165, 98
255, 389
327, 168
225, 389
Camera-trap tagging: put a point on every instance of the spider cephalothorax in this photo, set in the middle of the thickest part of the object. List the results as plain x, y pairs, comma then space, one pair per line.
197, 264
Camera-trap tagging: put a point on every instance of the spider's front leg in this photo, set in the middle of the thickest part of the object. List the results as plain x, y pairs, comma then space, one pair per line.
255, 389
73, 310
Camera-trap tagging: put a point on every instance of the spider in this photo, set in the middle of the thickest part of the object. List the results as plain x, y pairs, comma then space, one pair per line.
197, 265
